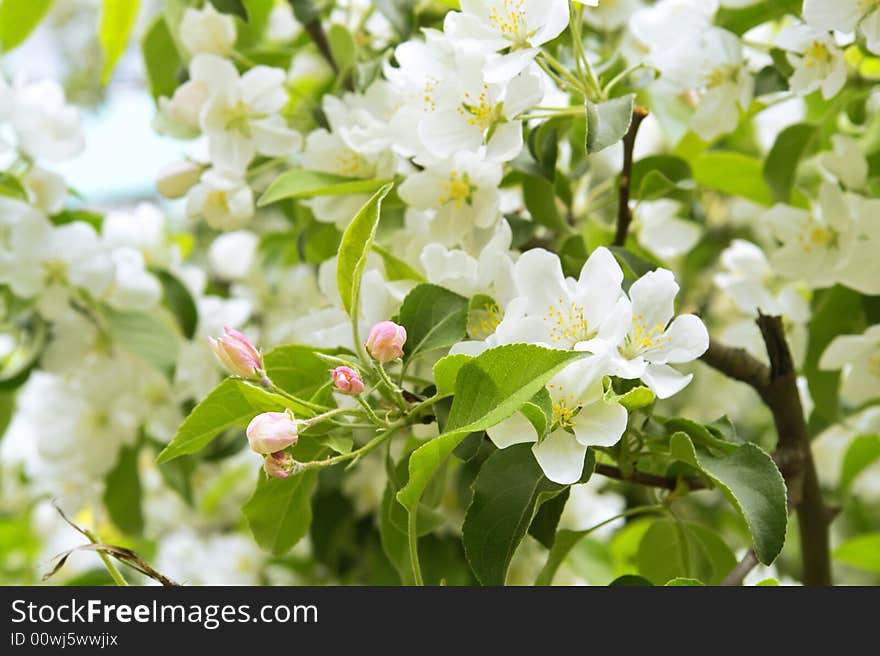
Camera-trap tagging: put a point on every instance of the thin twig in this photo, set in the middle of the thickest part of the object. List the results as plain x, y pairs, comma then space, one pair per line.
624, 213
651, 480
738, 574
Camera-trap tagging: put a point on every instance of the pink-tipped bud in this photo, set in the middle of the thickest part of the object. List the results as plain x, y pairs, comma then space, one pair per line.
271, 432
237, 354
279, 464
347, 381
386, 340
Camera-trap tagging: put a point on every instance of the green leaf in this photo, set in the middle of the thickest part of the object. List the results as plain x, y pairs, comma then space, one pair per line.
117, 21
178, 299
395, 268
630, 580
446, 372
279, 512
608, 122
144, 335
767, 583
434, 318
734, 174
539, 412
862, 552
11, 186
835, 311
684, 582
539, 196
162, 60
122, 493
18, 18
341, 46
780, 167
862, 452
546, 520
232, 403
636, 398
488, 389
633, 265
357, 240
678, 549
507, 493
300, 183
740, 20
298, 369
749, 478
660, 176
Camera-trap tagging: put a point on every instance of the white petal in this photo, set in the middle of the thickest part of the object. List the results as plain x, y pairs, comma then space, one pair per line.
600, 424
516, 429
665, 381
653, 297
561, 457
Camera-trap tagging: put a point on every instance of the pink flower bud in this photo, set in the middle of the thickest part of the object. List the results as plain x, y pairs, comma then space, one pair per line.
386, 340
347, 381
271, 432
237, 354
279, 464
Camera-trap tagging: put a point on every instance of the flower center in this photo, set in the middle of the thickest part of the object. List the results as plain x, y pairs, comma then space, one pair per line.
484, 321
350, 164
55, 270
643, 338
480, 111
817, 235
510, 20
567, 324
565, 409
457, 190
816, 54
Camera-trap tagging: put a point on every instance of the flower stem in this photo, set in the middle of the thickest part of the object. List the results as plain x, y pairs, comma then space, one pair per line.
354, 455
412, 532
370, 412
115, 574
395, 390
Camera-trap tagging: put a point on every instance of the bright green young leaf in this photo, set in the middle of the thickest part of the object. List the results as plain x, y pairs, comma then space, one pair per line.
684, 582
539, 411
434, 318
279, 512
488, 389
740, 20
11, 186
862, 552
300, 183
608, 122
677, 549
862, 452
792, 144
660, 176
117, 21
342, 46
395, 268
734, 174
232, 403
122, 493
162, 60
751, 481
507, 493
446, 372
18, 18
357, 240
145, 335
636, 398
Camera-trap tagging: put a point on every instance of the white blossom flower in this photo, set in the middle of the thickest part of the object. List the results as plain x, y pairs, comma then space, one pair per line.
858, 356
835, 242
47, 127
207, 31
846, 16
818, 62
224, 200
582, 417
846, 162
463, 190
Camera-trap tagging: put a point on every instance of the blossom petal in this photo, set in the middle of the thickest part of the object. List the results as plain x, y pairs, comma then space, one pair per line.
516, 429
561, 457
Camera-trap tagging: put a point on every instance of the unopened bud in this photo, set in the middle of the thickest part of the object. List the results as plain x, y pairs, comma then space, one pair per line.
347, 381
279, 464
237, 354
176, 179
271, 432
386, 340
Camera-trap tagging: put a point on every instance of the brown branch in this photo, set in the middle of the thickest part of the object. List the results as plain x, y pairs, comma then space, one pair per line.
777, 387
624, 213
738, 574
651, 480
307, 14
